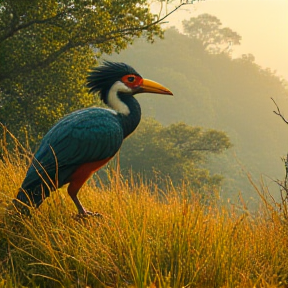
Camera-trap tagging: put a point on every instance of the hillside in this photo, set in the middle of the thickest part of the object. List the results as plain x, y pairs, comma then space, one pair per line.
140, 241
218, 92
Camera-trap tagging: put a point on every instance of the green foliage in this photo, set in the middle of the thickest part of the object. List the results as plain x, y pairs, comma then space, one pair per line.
177, 151
45, 49
31, 104
38, 32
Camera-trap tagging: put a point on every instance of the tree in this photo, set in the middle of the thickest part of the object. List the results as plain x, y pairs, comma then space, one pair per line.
178, 151
39, 32
46, 49
207, 29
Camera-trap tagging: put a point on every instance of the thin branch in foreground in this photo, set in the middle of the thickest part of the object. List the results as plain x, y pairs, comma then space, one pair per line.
146, 27
278, 112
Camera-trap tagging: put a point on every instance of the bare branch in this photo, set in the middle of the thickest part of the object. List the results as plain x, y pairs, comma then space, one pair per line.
126, 31
278, 112
203, 149
159, 21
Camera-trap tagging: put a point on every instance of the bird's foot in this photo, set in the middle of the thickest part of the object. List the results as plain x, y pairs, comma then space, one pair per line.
87, 214
94, 214
19, 208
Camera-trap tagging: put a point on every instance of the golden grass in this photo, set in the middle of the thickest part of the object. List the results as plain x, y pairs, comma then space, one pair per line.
171, 238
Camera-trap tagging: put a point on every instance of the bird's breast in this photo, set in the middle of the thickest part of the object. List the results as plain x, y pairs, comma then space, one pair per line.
84, 172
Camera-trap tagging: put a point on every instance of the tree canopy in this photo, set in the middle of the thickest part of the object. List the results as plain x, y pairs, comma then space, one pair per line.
38, 32
177, 151
207, 29
46, 50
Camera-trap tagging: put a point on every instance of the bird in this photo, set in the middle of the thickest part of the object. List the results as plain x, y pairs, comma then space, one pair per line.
83, 141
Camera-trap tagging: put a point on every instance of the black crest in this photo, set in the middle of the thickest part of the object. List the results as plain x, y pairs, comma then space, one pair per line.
101, 78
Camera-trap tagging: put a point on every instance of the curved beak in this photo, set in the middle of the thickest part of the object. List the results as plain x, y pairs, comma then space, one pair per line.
150, 86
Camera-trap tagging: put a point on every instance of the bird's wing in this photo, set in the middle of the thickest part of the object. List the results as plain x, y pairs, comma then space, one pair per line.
84, 136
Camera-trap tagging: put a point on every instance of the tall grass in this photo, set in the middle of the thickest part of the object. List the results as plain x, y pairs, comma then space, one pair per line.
168, 238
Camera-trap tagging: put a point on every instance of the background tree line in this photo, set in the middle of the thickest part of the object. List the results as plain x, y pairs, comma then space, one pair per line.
212, 89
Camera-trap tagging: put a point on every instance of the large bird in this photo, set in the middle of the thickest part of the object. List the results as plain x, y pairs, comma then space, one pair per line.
85, 140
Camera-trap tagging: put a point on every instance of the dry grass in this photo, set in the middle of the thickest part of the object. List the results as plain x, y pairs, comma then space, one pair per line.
170, 238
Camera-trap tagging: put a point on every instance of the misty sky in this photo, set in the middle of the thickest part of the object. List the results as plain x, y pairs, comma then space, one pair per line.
263, 25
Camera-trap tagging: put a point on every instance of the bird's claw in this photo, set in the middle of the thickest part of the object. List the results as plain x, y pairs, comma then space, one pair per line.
87, 214
94, 214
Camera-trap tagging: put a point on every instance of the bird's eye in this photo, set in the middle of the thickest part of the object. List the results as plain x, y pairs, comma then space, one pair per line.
132, 81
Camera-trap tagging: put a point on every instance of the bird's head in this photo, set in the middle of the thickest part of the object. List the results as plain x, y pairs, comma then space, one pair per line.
114, 78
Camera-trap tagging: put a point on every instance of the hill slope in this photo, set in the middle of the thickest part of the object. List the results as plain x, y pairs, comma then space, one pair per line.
221, 93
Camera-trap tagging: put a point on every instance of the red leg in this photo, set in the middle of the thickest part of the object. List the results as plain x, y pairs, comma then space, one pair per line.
79, 177
72, 191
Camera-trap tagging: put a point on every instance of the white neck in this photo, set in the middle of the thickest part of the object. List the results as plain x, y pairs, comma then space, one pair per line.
113, 100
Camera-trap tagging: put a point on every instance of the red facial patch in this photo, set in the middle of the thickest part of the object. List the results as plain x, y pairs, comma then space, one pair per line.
132, 80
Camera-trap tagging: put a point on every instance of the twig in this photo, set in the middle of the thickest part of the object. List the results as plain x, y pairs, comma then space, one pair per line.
146, 27
278, 112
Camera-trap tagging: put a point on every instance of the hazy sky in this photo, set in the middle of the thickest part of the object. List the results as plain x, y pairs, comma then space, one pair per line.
263, 25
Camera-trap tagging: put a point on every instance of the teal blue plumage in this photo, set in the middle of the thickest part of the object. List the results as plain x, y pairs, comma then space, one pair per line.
83, 136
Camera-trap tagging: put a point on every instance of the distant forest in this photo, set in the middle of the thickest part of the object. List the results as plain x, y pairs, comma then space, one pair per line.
212, 90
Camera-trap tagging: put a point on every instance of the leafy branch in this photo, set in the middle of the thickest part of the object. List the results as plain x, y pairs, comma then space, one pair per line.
15, 29
73, 42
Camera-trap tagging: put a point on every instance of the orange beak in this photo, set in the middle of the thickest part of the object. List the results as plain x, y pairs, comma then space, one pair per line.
149, 86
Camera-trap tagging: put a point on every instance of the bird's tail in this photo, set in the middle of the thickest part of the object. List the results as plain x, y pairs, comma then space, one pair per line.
23, 202
29, 198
